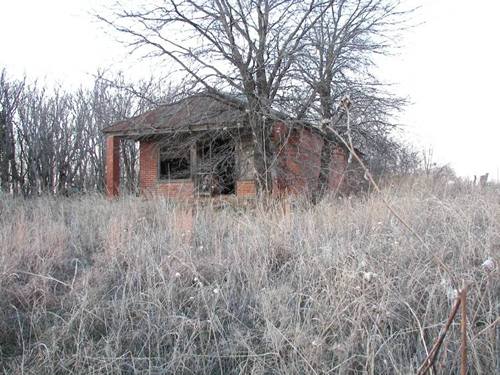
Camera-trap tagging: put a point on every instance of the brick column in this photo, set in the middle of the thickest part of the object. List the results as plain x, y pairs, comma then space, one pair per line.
148, 166
112, 165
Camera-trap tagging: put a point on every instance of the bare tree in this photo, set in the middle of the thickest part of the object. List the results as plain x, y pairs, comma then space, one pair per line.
338, 60
396, 158
288, 55
300, 57
10, 93
113, 99
51, 139
245, 47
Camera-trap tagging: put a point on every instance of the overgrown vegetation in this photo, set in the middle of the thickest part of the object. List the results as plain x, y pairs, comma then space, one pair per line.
51, 140
89, 286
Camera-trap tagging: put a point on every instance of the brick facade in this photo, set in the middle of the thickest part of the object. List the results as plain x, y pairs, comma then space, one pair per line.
149, 183
338, 169
296, 169
246, 189
182, 189
299, 159
148, 165
297, 149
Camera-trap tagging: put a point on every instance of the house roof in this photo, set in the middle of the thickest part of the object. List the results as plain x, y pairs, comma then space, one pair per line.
198, 112
193, 113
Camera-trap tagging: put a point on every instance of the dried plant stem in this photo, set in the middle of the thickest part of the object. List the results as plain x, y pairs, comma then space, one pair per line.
421, 331
429, 361
463, 331
485, 329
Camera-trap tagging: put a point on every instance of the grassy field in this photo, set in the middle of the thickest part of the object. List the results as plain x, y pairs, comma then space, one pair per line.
89, 286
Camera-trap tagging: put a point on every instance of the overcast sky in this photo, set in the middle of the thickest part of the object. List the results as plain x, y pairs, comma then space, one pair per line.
449, 68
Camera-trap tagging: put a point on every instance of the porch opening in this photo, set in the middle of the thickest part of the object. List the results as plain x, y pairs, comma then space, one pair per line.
216, 170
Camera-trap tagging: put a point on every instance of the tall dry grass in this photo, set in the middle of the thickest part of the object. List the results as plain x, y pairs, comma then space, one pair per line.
89, 286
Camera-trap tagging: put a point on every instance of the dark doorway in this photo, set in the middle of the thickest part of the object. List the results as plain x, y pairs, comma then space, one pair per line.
216, 166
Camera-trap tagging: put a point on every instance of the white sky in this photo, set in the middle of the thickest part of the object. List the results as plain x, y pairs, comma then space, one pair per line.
449, 67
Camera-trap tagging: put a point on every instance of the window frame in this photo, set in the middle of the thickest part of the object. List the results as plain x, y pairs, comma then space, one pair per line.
164, 179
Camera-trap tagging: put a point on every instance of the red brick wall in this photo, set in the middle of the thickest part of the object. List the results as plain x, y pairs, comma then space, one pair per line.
148, 176
182, 189
300, 158
298, 161
338, 169
148, 164
112, 171
150, 185
246, 188
297, 167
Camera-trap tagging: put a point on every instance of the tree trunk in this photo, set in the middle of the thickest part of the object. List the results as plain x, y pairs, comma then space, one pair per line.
324, 171
4, 164
326, 151
8, 170
262, 155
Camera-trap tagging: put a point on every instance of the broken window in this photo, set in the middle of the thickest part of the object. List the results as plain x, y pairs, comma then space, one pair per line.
174, 166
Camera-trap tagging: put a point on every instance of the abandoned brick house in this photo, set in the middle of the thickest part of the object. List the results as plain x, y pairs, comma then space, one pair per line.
200, 146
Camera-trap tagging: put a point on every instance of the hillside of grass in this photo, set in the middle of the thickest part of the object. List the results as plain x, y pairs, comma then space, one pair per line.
133, 286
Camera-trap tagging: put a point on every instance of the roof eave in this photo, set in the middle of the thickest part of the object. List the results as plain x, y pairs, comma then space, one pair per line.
160, 131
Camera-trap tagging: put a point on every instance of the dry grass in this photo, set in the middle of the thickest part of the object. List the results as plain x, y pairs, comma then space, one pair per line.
89, 286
